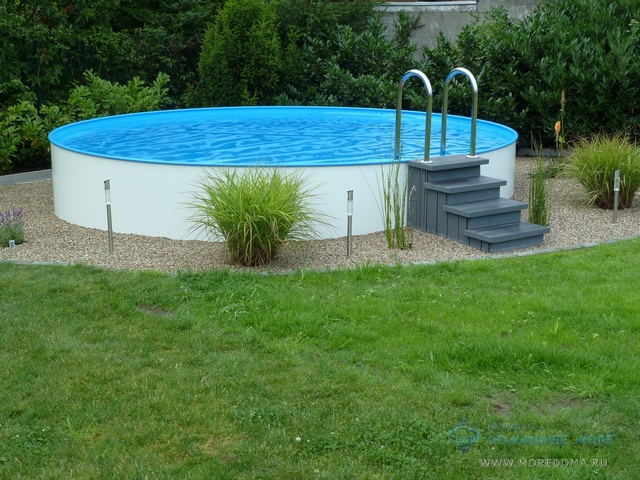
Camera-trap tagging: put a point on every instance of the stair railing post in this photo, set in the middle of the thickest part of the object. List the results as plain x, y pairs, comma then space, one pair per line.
474, 109
427, 130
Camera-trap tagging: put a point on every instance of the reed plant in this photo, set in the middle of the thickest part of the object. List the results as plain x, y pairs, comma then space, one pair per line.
593, 162
256, 211
394, 196
11, 227
538, 211
556, 164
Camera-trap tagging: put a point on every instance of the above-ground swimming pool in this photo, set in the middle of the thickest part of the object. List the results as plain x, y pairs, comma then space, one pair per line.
155, 161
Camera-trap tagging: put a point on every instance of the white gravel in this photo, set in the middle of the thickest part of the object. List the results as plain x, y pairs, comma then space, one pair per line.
51, 240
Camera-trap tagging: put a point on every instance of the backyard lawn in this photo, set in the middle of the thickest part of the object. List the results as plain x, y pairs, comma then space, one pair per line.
522, 367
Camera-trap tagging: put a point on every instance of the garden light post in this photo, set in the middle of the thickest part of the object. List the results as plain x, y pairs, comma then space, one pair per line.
616, 193
107, 198
349, 221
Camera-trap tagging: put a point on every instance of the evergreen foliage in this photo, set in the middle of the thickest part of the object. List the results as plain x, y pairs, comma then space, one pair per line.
587, 48
240, 62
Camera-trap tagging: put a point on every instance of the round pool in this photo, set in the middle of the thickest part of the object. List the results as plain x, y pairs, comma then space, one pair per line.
155, 160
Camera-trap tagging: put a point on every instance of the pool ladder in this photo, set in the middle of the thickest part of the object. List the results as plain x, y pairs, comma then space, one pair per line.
445, 105
450, 197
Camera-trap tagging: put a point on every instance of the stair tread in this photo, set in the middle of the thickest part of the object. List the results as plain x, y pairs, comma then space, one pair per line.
449, 162
465, 184
503, 233
485, 207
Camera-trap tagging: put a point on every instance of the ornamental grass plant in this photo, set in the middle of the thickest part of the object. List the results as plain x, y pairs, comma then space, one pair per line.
593, 163
541, 173
256, 211
394, 196
539, 195
11, 227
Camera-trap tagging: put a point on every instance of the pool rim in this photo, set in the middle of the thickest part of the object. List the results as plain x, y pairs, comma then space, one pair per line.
54, 135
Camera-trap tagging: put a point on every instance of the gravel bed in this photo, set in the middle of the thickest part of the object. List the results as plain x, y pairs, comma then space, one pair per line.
51, 240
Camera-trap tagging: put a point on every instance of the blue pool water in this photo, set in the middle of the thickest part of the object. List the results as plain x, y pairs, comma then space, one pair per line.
286, 136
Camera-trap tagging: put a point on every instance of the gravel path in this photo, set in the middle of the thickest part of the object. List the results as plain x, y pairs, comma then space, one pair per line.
49, 239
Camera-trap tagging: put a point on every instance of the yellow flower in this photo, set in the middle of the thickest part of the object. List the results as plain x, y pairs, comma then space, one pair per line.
558, 128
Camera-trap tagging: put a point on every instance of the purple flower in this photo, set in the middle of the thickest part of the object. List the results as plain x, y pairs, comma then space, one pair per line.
11, 217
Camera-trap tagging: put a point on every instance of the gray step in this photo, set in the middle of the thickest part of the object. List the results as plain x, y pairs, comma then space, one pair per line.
448, 168
465, 190
450, 162
482, 214
483, 208
449, 197
507, 237
462, 185
441, 175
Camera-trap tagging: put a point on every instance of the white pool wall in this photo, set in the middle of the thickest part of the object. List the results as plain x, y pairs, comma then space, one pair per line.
153, 199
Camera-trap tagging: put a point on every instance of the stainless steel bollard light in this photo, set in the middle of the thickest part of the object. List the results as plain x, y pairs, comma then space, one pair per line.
616, 193
107, 198
349, 221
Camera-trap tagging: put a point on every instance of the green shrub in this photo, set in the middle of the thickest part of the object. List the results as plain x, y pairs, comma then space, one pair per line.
240, 61
588, 48
346, 67
23, 138
485, 47
99, 98
11, 227
46, 46
321, 16
24, 130
593, 163
256, 212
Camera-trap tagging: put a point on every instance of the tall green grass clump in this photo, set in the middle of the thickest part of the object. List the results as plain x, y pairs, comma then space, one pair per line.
256, 212
394, 196
538, 211
539, 194
593, 163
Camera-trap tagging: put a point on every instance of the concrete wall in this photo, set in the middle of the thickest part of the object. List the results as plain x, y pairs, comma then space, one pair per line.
448, 17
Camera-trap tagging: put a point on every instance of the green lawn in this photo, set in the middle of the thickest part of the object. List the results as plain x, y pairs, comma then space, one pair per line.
373, 373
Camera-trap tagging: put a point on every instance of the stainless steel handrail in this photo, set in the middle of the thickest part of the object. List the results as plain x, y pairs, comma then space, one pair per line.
427, 134
474, 109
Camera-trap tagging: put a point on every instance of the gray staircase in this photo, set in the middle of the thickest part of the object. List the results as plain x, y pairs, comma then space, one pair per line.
450, 197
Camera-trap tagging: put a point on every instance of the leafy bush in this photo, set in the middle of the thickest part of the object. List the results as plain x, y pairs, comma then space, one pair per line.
594, 162
11, 227
256, 212
346, 67
46, 46
99, 98
240, 61
23, 137
24, 130
318, 17
588, 48
484, 46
